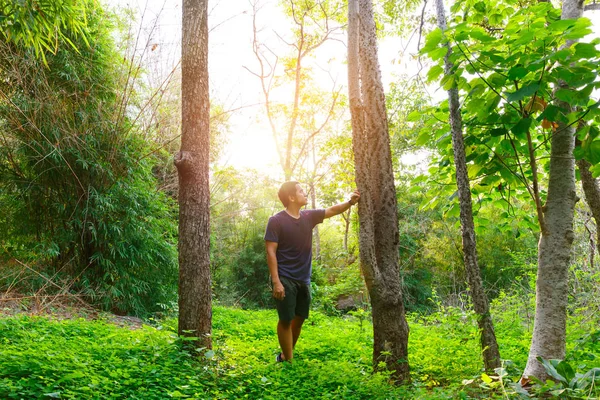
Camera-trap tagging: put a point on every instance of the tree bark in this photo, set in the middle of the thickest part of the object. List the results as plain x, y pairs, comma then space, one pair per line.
195, 312
592, 195
554, 248
378, 217
316, 237
489, 345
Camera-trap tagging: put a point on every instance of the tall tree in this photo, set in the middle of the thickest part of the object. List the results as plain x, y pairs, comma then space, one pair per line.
195, 311
378, 218
554, 249
489, 345
313, 24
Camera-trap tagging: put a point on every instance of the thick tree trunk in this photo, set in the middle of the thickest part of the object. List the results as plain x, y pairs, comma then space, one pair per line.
378, 235
489, 345
554, 249
195, 312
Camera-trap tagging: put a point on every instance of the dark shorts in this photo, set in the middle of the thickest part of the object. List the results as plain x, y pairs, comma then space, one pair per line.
296, 301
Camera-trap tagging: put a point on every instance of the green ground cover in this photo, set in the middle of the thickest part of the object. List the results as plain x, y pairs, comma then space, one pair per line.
81, 359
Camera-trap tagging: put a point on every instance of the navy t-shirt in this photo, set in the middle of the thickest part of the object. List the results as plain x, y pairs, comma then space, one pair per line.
294, 242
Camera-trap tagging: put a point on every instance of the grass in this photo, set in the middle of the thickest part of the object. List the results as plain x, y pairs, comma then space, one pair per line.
82, 359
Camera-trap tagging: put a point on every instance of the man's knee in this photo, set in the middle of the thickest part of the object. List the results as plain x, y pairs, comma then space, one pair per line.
298, 320
285, 324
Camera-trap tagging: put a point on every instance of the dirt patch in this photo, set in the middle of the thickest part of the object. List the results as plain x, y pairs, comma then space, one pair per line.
62, 306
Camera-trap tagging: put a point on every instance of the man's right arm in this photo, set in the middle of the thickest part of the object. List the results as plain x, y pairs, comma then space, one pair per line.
278, 290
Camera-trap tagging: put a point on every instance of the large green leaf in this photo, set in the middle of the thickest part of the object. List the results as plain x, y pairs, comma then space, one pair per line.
517, 72
433, 39
521, 127
438, 53
523, 92
586, 50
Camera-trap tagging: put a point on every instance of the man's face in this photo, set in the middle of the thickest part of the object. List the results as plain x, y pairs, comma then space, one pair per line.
301, 198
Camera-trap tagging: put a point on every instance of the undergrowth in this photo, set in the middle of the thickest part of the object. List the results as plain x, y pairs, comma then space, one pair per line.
82, 359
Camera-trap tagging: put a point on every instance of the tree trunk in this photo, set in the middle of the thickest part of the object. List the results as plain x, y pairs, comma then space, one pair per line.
378, 217
592, 195
347, 228
489, 345
316, 237
554, 249
195, 312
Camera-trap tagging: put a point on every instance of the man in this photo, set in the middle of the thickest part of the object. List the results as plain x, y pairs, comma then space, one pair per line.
288, 241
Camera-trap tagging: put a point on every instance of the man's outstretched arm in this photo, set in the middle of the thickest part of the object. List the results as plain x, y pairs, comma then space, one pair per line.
340, 208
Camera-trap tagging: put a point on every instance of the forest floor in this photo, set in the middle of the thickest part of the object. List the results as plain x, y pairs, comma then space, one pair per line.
58, 347
60, 307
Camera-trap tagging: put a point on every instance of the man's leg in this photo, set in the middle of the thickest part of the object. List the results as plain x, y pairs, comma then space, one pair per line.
296, 328
286, 339
286, 310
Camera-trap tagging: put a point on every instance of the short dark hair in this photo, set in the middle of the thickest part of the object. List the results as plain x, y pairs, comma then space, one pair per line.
286, 190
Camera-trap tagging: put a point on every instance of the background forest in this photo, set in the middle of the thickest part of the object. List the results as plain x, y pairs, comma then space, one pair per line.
90, 119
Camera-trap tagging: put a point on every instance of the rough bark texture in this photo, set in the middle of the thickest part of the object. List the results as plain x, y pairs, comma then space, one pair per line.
489, 345
195, 312
378, 218
592, 195
554, 249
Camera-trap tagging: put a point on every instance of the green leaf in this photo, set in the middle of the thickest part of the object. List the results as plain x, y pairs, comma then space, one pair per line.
448, 82
585, 50
550, 113
422, 139
525, 91
480, 6
497, 80
521, 127
593, 152
565, 369
498, 132
517, 72
551, 369
414, 116
433, 40
579, 30
561, 25
434, 72
438, 53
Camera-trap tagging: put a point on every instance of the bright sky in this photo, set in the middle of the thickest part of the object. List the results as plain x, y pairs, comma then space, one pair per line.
230, 50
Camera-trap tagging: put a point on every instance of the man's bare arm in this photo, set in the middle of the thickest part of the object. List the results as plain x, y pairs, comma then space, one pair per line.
340, 208
278, 289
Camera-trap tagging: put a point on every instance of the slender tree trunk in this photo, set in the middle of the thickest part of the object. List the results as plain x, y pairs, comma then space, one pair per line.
347, 228
489, 345
592, 195
554, 248
316, 237
378, 217
195, 312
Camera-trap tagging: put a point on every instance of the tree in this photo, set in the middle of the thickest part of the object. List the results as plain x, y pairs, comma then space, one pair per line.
78, 199
313, 25
378, 235
192, 162
489, 345
550, 323
517, 60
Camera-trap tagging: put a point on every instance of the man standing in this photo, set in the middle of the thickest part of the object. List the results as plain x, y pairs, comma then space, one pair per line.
288, 241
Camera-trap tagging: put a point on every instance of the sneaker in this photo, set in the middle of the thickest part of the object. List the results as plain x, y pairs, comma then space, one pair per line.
278, 358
